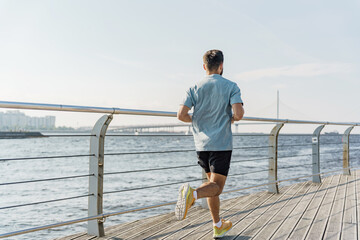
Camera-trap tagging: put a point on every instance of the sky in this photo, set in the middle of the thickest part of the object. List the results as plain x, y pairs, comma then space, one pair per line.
146, 54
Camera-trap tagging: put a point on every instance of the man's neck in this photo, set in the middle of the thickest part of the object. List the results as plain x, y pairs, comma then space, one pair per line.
211, 73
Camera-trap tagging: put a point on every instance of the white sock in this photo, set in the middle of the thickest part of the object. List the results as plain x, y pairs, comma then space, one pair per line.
218, 225
195, 195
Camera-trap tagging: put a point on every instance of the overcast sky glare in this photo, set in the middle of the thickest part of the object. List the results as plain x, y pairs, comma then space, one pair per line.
145, 54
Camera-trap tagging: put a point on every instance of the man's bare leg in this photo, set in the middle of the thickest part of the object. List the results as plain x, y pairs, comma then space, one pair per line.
211, 190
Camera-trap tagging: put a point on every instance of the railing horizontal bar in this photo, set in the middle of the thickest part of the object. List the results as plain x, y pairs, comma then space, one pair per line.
331, 152
149, 135
47, 201
246, 173
46, 157
294, 135
251, 160
69, 135
85, 219
60, 224
290, 179
178, 135
250, 135
296, 166
172, 151
155, 152
330, 143
290, 156
47, 179
252, 147
175, 167
102, 216
151, 169
333, 160
153, 186
175, 183
295, 145
89, 109
283, 180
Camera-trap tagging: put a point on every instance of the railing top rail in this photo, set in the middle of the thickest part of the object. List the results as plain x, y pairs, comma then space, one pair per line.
89, 109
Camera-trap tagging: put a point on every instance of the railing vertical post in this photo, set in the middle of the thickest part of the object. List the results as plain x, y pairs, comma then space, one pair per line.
273, 156
346, 151
316, 154
96, 170
204, 203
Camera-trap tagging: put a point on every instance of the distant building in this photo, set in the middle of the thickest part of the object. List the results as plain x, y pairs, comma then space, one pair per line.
16, 120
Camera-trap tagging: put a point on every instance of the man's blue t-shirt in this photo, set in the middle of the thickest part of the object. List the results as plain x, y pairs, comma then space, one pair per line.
212, 98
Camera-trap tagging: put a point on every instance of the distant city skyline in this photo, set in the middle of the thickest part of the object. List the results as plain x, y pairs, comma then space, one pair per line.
16, 120
145, 54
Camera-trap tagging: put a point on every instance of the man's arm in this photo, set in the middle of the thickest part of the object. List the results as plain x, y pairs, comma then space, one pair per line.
183, 114
238, 112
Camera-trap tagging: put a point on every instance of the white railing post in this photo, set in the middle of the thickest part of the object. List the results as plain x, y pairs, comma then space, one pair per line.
273, 156
346, 151
96, 170
316, 154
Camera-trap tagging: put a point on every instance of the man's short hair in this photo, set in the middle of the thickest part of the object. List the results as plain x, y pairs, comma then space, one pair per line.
213, 59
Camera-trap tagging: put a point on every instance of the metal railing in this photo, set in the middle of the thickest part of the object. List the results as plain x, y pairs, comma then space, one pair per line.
96, 156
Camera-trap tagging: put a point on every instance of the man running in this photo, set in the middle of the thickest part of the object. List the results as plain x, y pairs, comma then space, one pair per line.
217, 103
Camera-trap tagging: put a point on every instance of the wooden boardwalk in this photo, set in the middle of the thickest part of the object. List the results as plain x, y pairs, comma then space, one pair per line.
301, 211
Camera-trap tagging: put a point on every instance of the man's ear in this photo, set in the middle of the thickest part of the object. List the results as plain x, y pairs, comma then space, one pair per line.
204, 66
221, 66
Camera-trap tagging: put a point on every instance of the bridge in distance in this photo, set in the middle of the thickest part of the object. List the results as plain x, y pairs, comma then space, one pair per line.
162, 127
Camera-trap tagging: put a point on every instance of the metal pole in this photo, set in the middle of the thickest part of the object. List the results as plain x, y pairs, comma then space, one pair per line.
316, 153
278, 104
273, 145
346, 151
96, 169
204, 203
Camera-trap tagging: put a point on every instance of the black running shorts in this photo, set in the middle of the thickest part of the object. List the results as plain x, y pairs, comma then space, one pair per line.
215, 161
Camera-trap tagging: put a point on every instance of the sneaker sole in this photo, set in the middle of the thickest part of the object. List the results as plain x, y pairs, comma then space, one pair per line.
180, 208
222, 235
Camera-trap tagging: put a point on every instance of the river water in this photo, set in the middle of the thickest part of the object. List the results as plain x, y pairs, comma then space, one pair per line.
18, 218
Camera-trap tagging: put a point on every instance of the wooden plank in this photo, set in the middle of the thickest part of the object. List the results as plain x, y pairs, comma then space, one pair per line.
301, 228
199, 228
133, 227
268, 230
171, 223
318, 225
85, 237
71, 237
333, 227
167, 220
293, 218
243, 229
153, 227
191, 224
350, 222
125, 227
251, 213
111, 229
168, 232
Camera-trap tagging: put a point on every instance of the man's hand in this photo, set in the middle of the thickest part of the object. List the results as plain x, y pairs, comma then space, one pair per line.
183, 114
238, 111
